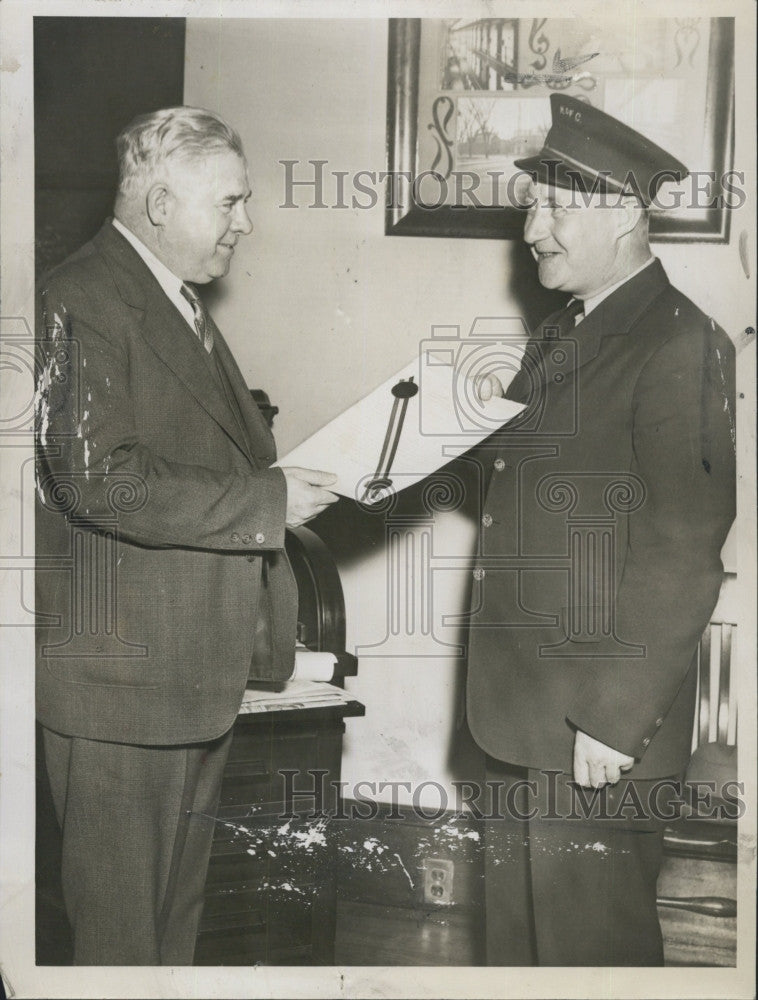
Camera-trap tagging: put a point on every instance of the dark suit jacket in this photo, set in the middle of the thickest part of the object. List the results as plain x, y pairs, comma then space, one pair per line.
609, 503
159, 511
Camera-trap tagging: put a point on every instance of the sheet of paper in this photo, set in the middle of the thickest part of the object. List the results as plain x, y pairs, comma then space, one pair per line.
295, 694
395, 436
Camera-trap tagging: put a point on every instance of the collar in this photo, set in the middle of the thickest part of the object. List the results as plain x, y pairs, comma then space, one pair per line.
166, 278
593, 301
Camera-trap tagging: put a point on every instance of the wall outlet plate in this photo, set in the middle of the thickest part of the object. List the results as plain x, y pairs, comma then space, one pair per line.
438, 881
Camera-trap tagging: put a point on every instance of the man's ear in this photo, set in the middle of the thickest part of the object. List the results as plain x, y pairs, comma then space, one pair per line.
157, 203
629, 214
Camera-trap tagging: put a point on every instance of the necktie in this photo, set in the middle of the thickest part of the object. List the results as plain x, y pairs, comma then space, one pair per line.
567, 319
564, 322
202, 326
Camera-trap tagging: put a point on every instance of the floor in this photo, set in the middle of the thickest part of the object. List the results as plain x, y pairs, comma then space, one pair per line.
371, 934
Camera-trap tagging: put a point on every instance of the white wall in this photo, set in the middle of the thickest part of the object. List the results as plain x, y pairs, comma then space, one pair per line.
321, 306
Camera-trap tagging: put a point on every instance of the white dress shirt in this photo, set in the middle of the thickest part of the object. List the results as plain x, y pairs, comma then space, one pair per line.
168, 281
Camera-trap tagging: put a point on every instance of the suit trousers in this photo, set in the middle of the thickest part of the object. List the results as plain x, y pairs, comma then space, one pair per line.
137, 825
562, 889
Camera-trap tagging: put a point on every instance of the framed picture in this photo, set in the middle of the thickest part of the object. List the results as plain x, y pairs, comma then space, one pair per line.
468, 97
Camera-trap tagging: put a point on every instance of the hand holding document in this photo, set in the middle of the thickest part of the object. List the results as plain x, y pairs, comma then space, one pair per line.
395, 436
307, 494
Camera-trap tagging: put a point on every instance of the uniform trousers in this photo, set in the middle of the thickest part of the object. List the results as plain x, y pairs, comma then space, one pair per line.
565, 890
137, 825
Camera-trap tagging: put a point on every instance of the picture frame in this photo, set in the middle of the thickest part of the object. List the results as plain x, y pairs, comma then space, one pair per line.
432, 89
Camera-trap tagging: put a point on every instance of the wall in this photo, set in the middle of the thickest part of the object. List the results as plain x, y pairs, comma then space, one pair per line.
321, 306
131, 66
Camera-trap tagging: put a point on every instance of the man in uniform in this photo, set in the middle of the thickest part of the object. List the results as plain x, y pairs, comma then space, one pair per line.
610, 499
155, 478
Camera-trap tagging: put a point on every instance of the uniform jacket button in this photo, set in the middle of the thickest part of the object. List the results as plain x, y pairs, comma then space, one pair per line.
260, 538
246, 539
251, 558
478, 573
499, 465
235, 536
659, 722
646, 742
487, 520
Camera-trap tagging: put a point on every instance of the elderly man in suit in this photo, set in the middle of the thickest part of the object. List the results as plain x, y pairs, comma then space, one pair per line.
163, 579
610, 498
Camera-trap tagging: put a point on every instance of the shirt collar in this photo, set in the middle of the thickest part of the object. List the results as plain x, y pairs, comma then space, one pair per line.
593, 301
166, 278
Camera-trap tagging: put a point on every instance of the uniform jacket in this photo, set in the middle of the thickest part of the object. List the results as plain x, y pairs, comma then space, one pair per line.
609, 501
157, 510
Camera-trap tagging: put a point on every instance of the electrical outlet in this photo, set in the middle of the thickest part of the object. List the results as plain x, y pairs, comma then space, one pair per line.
438, 881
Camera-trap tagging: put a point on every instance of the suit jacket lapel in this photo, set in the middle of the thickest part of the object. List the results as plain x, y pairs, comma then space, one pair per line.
166, 330
260, 438
614, 316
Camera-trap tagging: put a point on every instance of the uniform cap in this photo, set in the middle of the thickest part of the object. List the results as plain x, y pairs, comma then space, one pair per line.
588, 149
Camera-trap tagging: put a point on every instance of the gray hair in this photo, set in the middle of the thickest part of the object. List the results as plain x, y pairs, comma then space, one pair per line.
181, 133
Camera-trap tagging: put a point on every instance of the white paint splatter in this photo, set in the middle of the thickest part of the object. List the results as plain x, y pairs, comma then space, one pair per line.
727, 406
307, 838
56, 331
453, 831
407, 875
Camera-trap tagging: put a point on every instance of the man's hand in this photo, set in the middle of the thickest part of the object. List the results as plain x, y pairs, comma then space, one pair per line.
595, 764
488, 386
305, 496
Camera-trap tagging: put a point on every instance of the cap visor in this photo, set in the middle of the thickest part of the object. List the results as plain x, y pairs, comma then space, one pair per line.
547, 169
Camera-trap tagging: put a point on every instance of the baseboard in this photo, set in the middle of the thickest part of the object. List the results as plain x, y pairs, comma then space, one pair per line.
383, 857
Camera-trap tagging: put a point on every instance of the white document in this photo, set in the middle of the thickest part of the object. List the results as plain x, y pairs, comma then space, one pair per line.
295, 694
396, 435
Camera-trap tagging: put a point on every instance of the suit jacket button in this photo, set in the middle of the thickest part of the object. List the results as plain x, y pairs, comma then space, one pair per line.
478, 573
246, 539
487, 520
499, 465
235, 536
646, 742
260, 538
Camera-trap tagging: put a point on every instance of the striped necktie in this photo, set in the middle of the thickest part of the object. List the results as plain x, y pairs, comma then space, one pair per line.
202, 326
